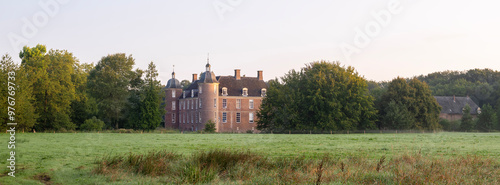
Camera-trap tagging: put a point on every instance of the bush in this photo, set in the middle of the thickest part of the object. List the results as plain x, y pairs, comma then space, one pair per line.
209, 127
93, 124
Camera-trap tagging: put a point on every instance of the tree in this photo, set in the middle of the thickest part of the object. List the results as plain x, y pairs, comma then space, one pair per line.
417, 98
487, 119
50, 77
322, 96
467, 124
93, 124
209, 127
150, 110
185, 84
109, 84
80, 110
25, 111
397, 116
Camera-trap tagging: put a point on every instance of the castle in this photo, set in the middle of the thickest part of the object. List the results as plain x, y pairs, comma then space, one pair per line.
231, 102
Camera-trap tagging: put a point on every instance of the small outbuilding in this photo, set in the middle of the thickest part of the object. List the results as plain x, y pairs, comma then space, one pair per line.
452, 107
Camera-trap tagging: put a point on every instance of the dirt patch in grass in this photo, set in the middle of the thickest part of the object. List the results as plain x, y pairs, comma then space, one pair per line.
43, 178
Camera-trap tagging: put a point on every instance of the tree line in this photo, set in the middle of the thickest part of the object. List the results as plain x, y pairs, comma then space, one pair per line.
325, 96
54, 91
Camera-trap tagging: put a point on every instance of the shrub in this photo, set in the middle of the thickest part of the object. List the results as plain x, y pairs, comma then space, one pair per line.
93, 124
209, 127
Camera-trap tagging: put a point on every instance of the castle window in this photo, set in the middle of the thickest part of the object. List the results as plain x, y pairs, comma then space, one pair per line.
215, 102
195, 117
215, 89
224, 103
173, 105
238, 103
173, 117
250, 117
192, 117
183, 94
224, 91
250, 104
224, 117
245, 92
200, 102
238, 117
192, 92
263, 92
187, 105
192, 107
200, 89
173, 94
199, 117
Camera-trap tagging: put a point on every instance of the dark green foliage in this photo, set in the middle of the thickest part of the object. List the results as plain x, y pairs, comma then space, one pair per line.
185, 83
487, 120
467, 122
397, 116
108, 83
151, 111
322, 96
209, 126
449, 125
93, 124
482, 85
411, 99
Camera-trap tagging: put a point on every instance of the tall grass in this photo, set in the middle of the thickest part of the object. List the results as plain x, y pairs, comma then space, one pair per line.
224, 166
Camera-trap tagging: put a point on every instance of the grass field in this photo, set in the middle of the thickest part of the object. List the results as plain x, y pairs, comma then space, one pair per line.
69, 158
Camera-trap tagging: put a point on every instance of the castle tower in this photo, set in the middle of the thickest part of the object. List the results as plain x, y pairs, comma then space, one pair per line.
173, 91
208, 94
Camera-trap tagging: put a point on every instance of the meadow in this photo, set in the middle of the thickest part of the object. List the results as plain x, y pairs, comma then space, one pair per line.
75, 158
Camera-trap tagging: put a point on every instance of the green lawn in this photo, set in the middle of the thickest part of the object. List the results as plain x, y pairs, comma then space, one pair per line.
68, 158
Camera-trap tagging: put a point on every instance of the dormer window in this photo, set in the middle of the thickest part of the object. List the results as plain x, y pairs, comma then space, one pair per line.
245, 92
224, 91
263, 92
200, 89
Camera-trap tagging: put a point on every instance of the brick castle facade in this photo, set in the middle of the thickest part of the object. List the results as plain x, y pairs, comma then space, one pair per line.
231, 102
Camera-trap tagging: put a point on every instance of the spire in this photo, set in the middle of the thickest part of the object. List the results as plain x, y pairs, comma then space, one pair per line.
173, 71
208, 62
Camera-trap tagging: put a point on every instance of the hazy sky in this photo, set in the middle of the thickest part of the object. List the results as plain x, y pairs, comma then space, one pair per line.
381, 39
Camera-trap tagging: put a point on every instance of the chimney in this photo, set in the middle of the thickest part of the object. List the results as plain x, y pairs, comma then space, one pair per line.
195, 77
259, 75
237, 74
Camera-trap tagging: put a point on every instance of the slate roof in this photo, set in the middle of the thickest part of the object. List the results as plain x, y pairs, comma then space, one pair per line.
454, 105
208, 77
235, 87
173, 83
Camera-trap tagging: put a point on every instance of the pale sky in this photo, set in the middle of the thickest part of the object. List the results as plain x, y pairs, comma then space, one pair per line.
417, 37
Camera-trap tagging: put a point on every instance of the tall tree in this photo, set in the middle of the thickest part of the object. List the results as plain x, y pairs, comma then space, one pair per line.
322, 96
50, 76
467, 122
109, 84
417, 98
151, 114
25, 115
487, 119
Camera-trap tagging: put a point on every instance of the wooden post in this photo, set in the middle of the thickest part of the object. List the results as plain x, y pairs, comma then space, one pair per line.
330, 132
289, 132
348, 132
